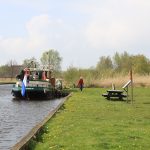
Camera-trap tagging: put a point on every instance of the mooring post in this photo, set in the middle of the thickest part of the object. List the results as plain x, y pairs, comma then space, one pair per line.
131, 78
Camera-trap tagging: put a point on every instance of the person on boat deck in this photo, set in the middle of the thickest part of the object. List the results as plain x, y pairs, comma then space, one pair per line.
35, 76
81, 83
43, 75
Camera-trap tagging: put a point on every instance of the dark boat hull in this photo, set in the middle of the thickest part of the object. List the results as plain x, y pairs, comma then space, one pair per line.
36, 93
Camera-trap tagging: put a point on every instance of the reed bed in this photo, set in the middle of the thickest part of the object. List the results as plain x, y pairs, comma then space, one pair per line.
119, 81
7, 80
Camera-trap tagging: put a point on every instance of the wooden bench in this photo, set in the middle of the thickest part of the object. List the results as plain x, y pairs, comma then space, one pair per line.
114, 94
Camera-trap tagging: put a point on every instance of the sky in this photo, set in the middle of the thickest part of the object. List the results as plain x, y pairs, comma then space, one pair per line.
80, 30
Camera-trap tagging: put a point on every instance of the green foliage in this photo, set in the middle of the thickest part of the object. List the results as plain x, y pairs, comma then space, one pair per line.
122, 62
51, 58
8, 70
104, 63
31, 144
119, 64
5, 71
71, 75
31, 62
104, 67
141, 64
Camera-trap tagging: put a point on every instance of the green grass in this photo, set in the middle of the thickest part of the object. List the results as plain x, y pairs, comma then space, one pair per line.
87, 121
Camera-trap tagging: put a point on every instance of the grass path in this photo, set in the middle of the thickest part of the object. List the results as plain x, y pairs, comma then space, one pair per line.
89, 122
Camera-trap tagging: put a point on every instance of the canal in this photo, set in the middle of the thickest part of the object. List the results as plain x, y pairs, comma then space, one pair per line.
18, 117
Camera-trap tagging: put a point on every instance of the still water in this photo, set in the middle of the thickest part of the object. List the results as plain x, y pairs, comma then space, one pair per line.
18, 117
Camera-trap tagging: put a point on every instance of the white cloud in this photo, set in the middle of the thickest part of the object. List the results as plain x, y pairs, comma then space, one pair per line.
11, 45
115, 28
43, 33
11, 49
82, 31
38, 31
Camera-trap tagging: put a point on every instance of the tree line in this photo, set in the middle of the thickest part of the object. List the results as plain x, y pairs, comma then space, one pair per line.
122, 63
118, 64
49, 60
109, 67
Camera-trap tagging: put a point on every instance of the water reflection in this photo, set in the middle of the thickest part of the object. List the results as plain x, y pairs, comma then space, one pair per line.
18, 117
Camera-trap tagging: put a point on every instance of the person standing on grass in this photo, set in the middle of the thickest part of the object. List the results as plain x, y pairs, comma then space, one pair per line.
81, 83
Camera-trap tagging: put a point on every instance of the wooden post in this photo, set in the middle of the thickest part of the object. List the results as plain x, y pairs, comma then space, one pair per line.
131, 78
127, 94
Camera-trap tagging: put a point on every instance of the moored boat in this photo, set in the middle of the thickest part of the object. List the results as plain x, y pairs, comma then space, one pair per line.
35, 83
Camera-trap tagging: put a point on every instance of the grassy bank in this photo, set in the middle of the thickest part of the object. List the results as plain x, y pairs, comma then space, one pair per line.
89, 122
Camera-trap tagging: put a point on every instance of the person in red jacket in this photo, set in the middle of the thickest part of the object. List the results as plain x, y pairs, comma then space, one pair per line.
80, 83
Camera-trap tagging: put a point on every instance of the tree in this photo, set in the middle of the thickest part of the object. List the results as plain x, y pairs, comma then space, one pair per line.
104, 67
5, 71
10, 69
31, 62
122, 62
117, 61
104, 63
12, 64
71, 75
51, 58
141, 64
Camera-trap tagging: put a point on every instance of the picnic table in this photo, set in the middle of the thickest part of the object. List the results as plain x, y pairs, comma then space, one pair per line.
114, 94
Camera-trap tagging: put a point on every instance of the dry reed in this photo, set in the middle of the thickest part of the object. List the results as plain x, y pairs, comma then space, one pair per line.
119, 81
